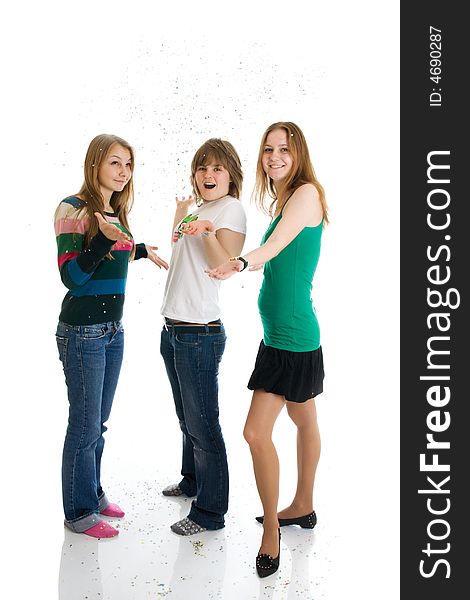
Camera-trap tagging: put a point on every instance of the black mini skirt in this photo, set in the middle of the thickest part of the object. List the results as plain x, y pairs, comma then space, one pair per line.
298, 376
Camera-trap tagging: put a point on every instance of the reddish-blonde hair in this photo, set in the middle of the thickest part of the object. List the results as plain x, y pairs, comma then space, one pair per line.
302, 171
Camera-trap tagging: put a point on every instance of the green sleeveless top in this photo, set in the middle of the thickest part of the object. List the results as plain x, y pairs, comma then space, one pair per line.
285, 302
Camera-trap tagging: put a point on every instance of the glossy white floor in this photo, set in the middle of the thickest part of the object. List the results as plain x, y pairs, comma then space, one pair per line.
350, 551
148, 561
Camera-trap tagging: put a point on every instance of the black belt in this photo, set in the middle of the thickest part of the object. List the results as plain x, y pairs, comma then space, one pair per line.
184, 327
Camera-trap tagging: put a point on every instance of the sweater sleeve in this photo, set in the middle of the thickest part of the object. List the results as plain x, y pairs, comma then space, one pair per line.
77, 264
140, 251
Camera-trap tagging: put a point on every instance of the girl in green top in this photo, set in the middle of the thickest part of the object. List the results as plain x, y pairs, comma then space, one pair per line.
289, 366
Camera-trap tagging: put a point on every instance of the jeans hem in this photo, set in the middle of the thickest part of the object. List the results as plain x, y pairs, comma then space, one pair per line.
83, 523
186, 488
209, 524
103, 502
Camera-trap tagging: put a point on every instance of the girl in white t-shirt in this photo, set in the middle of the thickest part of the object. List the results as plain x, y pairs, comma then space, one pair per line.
193, 336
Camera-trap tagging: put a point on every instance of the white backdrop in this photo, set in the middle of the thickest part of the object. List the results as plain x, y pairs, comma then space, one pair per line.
166, 78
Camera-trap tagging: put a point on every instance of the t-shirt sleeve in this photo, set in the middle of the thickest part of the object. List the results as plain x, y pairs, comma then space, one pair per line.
232, 217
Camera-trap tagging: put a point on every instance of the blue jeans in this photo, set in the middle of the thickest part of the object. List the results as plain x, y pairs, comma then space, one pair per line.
192, 364
91, 356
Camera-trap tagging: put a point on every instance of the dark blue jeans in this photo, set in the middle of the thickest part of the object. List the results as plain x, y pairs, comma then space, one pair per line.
192, 364
91, 356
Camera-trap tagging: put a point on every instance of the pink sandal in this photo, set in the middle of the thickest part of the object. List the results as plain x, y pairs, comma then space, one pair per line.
113, 510
102, 530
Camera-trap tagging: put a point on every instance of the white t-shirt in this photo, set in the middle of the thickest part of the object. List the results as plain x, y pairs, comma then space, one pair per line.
190, 294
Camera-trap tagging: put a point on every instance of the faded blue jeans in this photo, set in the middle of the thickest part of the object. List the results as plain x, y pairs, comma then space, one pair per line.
91, 357
192, 364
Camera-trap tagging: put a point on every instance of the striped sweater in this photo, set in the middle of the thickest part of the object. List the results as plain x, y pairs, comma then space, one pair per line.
96, 284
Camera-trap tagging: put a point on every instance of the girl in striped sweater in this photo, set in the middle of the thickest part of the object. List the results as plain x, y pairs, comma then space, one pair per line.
94, 248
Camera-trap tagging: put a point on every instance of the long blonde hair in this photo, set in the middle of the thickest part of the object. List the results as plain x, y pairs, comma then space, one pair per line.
90, 191
301, 172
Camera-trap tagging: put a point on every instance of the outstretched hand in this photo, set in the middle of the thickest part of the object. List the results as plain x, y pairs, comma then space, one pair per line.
197, 227
110, 230
226, 270
155, 258
184, 203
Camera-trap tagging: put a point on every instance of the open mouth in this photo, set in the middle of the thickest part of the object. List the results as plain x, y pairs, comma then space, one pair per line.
209, 186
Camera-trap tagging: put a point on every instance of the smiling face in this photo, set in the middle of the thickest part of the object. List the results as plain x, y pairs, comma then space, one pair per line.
212, 181
277, 160
115, 170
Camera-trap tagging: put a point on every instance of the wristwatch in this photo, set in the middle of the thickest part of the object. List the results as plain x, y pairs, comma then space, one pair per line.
245, 262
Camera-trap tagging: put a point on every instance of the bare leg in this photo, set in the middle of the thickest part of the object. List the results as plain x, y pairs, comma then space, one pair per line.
264, 410
304, 416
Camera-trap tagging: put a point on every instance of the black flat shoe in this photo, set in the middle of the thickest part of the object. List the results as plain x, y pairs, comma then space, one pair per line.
306, 522
266, 564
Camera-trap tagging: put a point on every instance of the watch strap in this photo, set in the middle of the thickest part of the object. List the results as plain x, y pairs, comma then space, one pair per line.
243, 260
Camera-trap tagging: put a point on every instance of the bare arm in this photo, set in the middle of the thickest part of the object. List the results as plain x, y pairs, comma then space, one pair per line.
304, 209
182, 209
219, 246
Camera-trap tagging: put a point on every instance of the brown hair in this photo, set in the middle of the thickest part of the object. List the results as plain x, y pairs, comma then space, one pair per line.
222, 152
90, 191
302, 171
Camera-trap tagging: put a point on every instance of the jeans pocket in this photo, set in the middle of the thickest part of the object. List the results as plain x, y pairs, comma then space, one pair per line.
62, 344
212, 349
187, 339
93, 332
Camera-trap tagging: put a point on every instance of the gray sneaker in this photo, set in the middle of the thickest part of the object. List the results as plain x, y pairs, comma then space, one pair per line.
172, 490
186, 527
